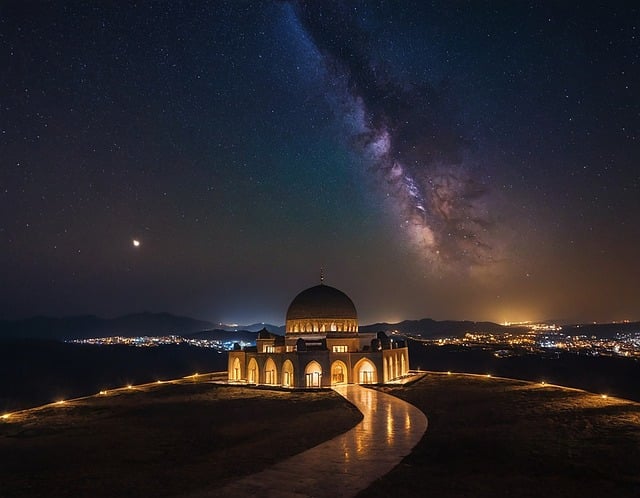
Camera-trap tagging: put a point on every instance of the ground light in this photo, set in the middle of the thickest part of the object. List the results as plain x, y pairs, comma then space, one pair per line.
6, 416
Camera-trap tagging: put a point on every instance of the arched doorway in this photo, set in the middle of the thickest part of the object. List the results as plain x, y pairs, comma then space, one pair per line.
313, 374
236, 372
270, 372
287, 374
338, 373
252, 372
365, 372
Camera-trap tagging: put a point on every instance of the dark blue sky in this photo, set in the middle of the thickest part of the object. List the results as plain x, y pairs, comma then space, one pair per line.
463, 160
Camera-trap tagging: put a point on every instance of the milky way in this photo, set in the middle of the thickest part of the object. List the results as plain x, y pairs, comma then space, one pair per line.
445, 159
408, 133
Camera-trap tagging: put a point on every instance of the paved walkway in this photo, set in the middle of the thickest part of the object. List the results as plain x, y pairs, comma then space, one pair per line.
347, 463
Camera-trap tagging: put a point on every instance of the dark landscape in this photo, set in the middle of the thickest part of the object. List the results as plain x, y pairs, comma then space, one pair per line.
492, 437
486, 437
162, 440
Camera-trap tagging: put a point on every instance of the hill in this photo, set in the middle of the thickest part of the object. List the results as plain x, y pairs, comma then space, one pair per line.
428, 328
82, 327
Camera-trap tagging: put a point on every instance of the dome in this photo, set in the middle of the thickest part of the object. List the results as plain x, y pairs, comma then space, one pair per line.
321, 302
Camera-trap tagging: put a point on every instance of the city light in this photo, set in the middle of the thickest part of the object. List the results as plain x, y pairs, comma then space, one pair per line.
6, 416
543, 339
102, 392
153, 341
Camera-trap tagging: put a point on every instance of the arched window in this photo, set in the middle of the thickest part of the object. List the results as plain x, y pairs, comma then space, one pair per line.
338, 373
270, 372
313, 374
365, 372
252, 372
287, 374
236, 372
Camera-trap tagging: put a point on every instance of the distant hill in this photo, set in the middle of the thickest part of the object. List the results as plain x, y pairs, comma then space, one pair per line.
428, 328
602, 330
154, 324
254, 327
80, 327
224, 335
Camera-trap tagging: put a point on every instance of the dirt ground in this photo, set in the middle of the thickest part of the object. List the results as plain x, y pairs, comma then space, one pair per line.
491, 437
162, 440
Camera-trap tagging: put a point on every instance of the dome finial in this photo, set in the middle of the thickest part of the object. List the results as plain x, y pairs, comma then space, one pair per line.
321, 275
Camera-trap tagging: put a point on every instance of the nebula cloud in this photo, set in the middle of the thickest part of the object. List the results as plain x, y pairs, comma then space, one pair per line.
408, 134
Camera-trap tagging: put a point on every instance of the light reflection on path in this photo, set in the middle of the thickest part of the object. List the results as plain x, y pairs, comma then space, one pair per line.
347, 463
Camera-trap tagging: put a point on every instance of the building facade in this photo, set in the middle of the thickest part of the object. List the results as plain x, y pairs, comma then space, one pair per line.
321, 348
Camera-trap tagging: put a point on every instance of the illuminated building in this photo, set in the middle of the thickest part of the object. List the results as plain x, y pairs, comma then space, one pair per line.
321, 347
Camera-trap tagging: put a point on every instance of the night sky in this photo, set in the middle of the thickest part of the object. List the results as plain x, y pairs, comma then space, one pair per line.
454, 160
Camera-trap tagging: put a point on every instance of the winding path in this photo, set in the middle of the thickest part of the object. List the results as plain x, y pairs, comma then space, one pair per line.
346, 464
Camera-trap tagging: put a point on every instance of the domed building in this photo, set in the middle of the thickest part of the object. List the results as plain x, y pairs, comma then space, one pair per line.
321, 348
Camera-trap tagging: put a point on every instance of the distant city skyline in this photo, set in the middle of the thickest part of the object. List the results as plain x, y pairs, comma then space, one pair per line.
441, 160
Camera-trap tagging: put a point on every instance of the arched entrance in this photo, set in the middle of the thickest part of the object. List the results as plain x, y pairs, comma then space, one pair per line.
338, 373
313, 374
365, 372
253, 372
270, 372
287, 374
236, 372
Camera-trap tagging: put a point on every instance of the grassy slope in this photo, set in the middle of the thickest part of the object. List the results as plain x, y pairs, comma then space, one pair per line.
168, 441
495, 437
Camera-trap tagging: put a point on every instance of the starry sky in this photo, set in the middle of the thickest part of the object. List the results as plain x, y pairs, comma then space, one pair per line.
448, 159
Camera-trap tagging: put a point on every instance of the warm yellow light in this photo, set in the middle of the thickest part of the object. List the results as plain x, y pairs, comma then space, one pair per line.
449, 372
6, 416
136, 243
488, 375
159, 382
129, 386
604, 396
103, 392
61, 402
